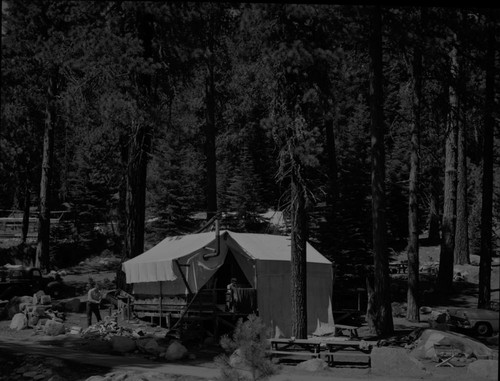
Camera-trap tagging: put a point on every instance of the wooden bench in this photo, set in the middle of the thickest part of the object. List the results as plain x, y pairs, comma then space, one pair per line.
295, 347
353, 331
348, 349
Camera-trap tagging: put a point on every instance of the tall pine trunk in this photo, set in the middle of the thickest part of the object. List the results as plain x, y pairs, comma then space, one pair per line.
445, 276
298, 264
461, 251
333, 190
487, 195
138, 150
412, 312
382, 319
42, 258
136, 191
26, 208
434, 236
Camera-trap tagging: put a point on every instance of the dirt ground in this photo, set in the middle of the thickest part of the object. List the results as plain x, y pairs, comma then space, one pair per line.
20, 361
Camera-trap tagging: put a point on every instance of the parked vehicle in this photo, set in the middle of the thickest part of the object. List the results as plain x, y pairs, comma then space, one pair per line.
22, 280
483, 322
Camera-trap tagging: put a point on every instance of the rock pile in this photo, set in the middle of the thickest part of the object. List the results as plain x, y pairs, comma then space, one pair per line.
107, 328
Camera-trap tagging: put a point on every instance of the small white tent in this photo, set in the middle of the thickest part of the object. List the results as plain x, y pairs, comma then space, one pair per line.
183, 264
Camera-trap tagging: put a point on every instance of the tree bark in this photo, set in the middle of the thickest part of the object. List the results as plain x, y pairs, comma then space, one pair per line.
382, 320
445, 276
333, 191
26, 208
42, 250
298, 264
461, 251
136, 191
434, 236
412, 312
487, 194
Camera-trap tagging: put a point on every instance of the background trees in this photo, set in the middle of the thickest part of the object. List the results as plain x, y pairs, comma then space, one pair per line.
164, 110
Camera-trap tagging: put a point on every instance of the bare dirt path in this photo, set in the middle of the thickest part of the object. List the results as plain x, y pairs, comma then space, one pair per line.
152, 370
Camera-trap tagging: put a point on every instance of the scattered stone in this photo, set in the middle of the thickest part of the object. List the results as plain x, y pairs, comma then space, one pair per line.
487, 369
39, 377
313, 365
75, 330
396, 362
19, 322
30, 374
175, 351
33, 320
54, 328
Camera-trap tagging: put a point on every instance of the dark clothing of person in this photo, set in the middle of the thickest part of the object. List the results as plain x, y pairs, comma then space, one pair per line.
92, 308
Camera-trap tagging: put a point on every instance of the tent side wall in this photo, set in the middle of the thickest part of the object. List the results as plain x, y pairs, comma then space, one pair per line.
273, 294
196, 270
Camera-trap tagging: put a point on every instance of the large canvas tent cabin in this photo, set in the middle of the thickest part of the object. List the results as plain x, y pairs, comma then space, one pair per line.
186, 277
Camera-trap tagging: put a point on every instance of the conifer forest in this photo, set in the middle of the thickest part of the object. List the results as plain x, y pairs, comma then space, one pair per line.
373, 129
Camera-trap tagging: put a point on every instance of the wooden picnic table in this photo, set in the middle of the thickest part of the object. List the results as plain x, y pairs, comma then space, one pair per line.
334, 351
353, 330
295, 347
347, 349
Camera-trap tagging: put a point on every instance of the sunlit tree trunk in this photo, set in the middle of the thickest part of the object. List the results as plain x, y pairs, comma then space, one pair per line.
487, 195
412, 312
42, 250
382, 319
445, 276
333, 191
461, 250
26, 208
434, 236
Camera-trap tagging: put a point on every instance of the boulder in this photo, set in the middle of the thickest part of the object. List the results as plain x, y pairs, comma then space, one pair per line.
33, 320
19, 322
487, 369
425, 344
123, 344
54, 328
175, 351
148, 345
73, 305
23, 299
313, 365
396, 362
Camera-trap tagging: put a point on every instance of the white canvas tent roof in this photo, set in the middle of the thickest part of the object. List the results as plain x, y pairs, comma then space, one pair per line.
156, 264
182, 264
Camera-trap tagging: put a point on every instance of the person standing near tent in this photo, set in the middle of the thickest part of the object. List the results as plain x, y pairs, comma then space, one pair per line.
93, 301
230, 295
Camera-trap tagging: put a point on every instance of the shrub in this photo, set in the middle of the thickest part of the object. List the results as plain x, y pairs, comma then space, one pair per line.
249, 344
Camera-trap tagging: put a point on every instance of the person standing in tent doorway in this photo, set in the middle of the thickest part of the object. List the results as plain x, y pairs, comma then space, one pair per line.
93, 301
230, 295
